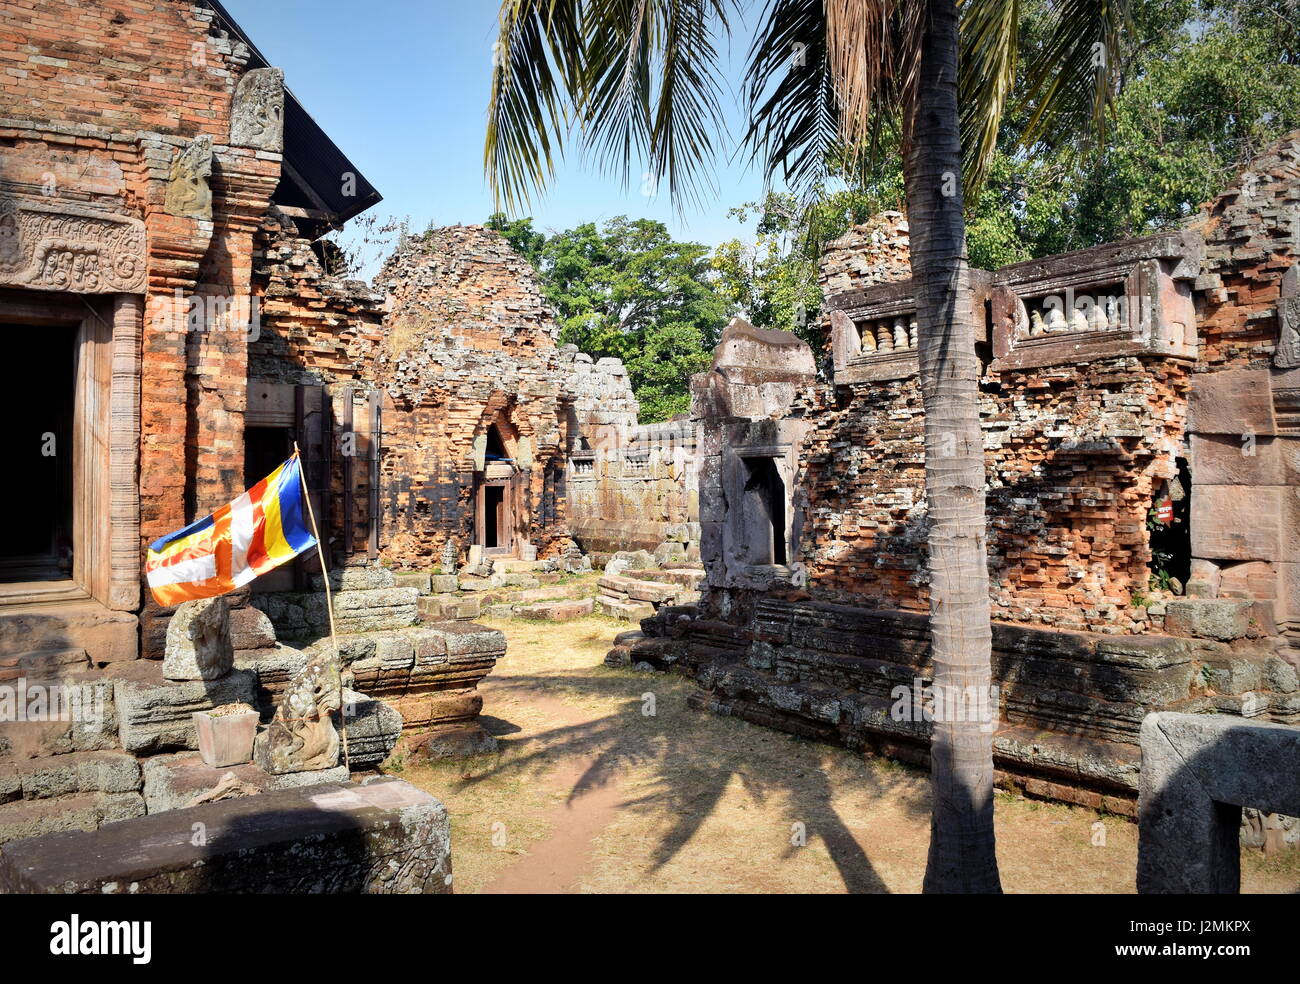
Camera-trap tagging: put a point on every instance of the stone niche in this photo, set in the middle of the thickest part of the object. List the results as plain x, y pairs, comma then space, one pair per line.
750, 518
874, 331
1127, 298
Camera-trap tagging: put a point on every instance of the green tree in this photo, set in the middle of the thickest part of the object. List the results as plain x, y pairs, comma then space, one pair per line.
627, 289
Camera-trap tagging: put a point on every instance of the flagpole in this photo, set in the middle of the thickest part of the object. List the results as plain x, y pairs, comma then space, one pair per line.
329, 604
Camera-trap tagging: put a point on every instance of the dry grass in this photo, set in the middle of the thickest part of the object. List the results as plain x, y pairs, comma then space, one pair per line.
683, 801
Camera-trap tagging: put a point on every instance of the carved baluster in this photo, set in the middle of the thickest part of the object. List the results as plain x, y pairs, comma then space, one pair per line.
900, 333
884, 337
911, 334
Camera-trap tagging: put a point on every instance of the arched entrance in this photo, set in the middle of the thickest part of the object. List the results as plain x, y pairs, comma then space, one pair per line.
496, 492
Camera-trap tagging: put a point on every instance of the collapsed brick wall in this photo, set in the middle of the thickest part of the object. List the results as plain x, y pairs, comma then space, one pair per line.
1075, 455
469, 344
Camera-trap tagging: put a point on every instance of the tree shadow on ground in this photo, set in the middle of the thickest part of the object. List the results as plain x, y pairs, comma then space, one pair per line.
688, 773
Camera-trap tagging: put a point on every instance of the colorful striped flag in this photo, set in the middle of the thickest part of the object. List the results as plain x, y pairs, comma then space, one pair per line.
259, 531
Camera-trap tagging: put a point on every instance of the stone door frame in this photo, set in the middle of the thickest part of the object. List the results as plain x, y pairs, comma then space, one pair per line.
106, 445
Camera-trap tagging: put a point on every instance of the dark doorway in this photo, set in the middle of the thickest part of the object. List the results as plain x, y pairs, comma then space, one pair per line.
764, 511
265, 449
1171, 532
494, 500
38, 490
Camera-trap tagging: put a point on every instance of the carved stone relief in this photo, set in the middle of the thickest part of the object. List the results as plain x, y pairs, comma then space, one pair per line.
257, 116
69, 247
1287, 355
188, 193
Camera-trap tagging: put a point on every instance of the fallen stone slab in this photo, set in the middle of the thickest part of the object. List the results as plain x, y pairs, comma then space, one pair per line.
1198, 771
381, 837
629, 611
556, 611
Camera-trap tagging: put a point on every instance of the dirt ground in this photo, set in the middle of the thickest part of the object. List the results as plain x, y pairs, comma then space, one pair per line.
607, 782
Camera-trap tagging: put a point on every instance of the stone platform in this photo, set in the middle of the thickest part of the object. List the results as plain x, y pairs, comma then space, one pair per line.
381, 837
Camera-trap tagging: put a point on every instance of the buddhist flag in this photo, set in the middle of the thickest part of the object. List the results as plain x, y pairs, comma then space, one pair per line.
260, 530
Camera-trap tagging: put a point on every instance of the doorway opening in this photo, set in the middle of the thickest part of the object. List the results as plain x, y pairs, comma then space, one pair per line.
38, 497
265, 449
494, 502
764, 512
1170, 531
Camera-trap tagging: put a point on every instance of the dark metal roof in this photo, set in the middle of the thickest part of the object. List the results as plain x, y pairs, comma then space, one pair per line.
314, 166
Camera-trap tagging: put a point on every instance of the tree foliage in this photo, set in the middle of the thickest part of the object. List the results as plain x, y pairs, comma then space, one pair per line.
627, 289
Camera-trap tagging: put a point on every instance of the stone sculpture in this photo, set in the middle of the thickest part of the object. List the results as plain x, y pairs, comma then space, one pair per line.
188, 193
302, 737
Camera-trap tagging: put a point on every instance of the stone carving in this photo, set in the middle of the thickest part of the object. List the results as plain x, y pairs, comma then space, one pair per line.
301, 737
188, 194
257, 115
1287, 355
70, 247
198, 641
449, 557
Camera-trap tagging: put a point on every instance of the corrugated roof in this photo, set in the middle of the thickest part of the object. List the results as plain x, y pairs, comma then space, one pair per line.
308, 151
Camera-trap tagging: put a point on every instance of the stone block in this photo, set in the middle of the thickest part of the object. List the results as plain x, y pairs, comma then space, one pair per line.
413, 579
1237, 522
24, 819
443, 583
154, 715
176, 782
1197, 618
1234, 402
1231, 459
198, 641
78, 772
250, 628
1198, 771
367, 578
373, 728
381, 837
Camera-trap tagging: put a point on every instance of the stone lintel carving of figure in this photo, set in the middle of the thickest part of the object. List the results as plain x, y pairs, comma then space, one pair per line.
189, 195
1287, 355
257, 113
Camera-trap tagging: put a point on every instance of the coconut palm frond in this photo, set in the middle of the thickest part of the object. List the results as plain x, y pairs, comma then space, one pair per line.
793, 110
534, 70
635, 78
986, 77
1068, 83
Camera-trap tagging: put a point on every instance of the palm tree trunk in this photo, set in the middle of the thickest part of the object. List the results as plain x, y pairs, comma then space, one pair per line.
962, 855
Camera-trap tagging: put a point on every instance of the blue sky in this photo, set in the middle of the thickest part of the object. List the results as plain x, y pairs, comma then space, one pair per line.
401, 86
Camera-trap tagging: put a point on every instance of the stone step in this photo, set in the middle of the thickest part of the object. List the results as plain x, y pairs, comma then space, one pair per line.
74, 712
75, 772
106, 636
42, 664
81, 811
299, 614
